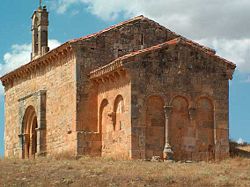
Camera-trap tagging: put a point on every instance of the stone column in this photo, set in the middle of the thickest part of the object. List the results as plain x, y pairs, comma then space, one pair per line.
26, 140
40, 148
21, 145
167, 152
192, 116
192, 113
41, 124
31, 146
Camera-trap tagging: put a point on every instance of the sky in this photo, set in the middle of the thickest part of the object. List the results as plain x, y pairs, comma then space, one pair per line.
222, 25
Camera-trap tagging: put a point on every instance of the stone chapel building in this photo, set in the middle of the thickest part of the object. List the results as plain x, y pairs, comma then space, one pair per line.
133, 91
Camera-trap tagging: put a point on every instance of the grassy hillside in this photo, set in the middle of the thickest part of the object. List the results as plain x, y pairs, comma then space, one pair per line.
106, 172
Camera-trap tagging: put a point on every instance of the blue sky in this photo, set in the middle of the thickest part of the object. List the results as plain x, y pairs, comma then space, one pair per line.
222, 25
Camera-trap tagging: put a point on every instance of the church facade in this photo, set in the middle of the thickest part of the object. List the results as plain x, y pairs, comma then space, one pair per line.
133, 91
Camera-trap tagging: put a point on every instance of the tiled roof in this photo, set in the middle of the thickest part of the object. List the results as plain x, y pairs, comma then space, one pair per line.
37, 61
175, 41
119, 61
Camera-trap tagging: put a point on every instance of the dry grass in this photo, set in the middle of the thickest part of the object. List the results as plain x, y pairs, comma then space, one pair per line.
107, 172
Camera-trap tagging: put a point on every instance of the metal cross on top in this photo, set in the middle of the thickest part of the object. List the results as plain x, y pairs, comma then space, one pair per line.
40, 3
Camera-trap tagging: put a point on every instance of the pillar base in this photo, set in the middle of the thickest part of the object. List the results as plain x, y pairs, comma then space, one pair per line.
168, 152
41, 154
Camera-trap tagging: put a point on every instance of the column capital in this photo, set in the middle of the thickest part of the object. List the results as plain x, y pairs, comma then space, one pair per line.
168, 110
192, 113
24, 136
39, 128
111, 114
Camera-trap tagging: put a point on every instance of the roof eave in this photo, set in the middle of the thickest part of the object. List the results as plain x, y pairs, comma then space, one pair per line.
119, 62
55, 51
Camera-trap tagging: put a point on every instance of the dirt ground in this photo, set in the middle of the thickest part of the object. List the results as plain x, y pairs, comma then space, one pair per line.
107, 172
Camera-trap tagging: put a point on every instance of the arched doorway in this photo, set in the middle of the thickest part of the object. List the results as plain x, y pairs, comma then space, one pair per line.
29, 132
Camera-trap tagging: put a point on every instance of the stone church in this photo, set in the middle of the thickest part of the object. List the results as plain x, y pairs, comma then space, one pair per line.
132, 91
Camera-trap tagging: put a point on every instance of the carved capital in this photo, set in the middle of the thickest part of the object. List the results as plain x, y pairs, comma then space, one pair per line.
168, 110
25, 137
112, 116
39, 129
192, 113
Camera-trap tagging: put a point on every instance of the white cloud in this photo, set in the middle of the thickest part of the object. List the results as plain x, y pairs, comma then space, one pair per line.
196, 18
221, 25
240, 141
19, 55
63, 5
53, 43
235, 50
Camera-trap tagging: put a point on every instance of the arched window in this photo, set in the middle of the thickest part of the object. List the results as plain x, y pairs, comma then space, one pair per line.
103, 115
35, 34
118, 113
178, 128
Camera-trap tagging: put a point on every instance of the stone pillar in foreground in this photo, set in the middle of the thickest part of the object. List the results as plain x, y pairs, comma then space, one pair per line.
167, 151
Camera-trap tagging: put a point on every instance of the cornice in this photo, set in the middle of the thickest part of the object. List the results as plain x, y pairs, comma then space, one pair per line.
57, 53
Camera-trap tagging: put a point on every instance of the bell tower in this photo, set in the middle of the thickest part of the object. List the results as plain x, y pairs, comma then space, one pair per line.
40, 23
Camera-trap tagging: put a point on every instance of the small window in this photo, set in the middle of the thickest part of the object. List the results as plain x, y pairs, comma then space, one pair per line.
142, 39
119, 113
119, 52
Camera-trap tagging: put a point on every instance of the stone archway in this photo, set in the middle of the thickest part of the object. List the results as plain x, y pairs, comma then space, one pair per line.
103, 121
29, 132
179, 127
118, 113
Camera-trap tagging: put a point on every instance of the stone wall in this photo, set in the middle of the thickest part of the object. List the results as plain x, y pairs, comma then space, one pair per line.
104, 48
195, 86
112, 135
123, 114
114, 118
51, 90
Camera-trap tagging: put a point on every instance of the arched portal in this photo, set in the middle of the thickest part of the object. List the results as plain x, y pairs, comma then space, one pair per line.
29, 132
103, 115
103, 121
118, 113
179, 127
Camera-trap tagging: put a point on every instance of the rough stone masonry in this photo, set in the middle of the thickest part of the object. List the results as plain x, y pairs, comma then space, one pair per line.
135, 90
